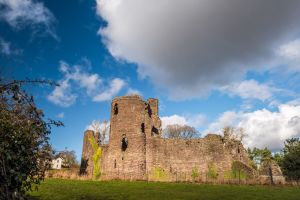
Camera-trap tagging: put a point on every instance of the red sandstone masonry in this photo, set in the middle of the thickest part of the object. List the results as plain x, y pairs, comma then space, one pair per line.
139, 121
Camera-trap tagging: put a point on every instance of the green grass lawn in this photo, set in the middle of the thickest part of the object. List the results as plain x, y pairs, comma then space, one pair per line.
54, 189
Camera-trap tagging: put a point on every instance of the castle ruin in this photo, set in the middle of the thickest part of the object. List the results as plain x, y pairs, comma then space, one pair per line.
136, 150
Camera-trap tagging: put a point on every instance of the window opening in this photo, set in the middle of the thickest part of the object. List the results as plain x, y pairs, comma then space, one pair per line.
116, 109
124, 143
143, 127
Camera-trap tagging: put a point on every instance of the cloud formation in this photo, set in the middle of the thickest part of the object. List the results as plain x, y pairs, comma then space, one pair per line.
249, 89
87, 83
196, 121
21, 13
290, 53
115, 87
7, 49
263, 128
62, 95
190, 47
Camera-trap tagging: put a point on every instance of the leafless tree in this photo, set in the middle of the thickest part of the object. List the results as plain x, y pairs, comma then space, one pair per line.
234, 133
101, 129
179, 131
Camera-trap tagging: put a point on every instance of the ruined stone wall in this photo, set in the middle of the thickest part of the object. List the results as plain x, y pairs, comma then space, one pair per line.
86, 166
190, 159
150, 157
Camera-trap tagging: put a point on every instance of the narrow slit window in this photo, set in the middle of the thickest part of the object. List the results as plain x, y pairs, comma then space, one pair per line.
115, 164
116, 109
143, 127
124, 143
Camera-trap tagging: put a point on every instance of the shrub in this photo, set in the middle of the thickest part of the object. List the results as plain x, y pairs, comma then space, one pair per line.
212, 171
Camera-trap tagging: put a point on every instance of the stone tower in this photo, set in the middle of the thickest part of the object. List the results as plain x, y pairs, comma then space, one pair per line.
130, 123
86, 166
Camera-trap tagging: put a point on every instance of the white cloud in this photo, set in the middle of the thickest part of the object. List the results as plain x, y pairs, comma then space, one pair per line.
62, 95
133, 91
173, 119
290, 54
291, 50
263, 128
6, 48
90, 84
21, 13
249, 89
60, 115
115, 87
228, 118
190, 47
196, 121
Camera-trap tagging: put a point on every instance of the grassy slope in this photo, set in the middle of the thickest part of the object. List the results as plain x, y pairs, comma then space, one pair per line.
54, 189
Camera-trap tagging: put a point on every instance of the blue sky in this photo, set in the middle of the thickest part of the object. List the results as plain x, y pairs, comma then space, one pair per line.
210, 64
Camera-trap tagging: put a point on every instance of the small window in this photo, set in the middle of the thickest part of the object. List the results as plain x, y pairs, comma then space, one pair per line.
116, 109
115, 164
143, 128
124, 143
238, 150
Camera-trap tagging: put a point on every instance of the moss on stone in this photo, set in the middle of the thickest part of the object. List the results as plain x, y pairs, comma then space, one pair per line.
212, 171
195, 173
97, 153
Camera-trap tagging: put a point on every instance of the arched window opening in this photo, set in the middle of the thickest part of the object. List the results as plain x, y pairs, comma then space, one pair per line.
124, 143
143, 127
116, 109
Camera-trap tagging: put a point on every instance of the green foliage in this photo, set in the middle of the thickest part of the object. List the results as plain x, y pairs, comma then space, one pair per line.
278, 157
58, 189
159, 173
260, 156
25, 153
291, 159
195, 173
97, 153
212, 171
236, 172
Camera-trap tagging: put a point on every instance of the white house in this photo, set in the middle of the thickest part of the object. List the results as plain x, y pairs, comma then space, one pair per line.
57, 163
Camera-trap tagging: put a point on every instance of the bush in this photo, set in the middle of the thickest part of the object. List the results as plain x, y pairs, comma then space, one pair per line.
25, 153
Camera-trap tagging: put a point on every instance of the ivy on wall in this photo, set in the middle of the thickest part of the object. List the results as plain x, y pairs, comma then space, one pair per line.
236, 173
97, 153
195, 173
212, 171
159, 173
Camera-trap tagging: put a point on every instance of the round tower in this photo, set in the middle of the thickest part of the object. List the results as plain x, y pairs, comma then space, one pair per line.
127, 141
